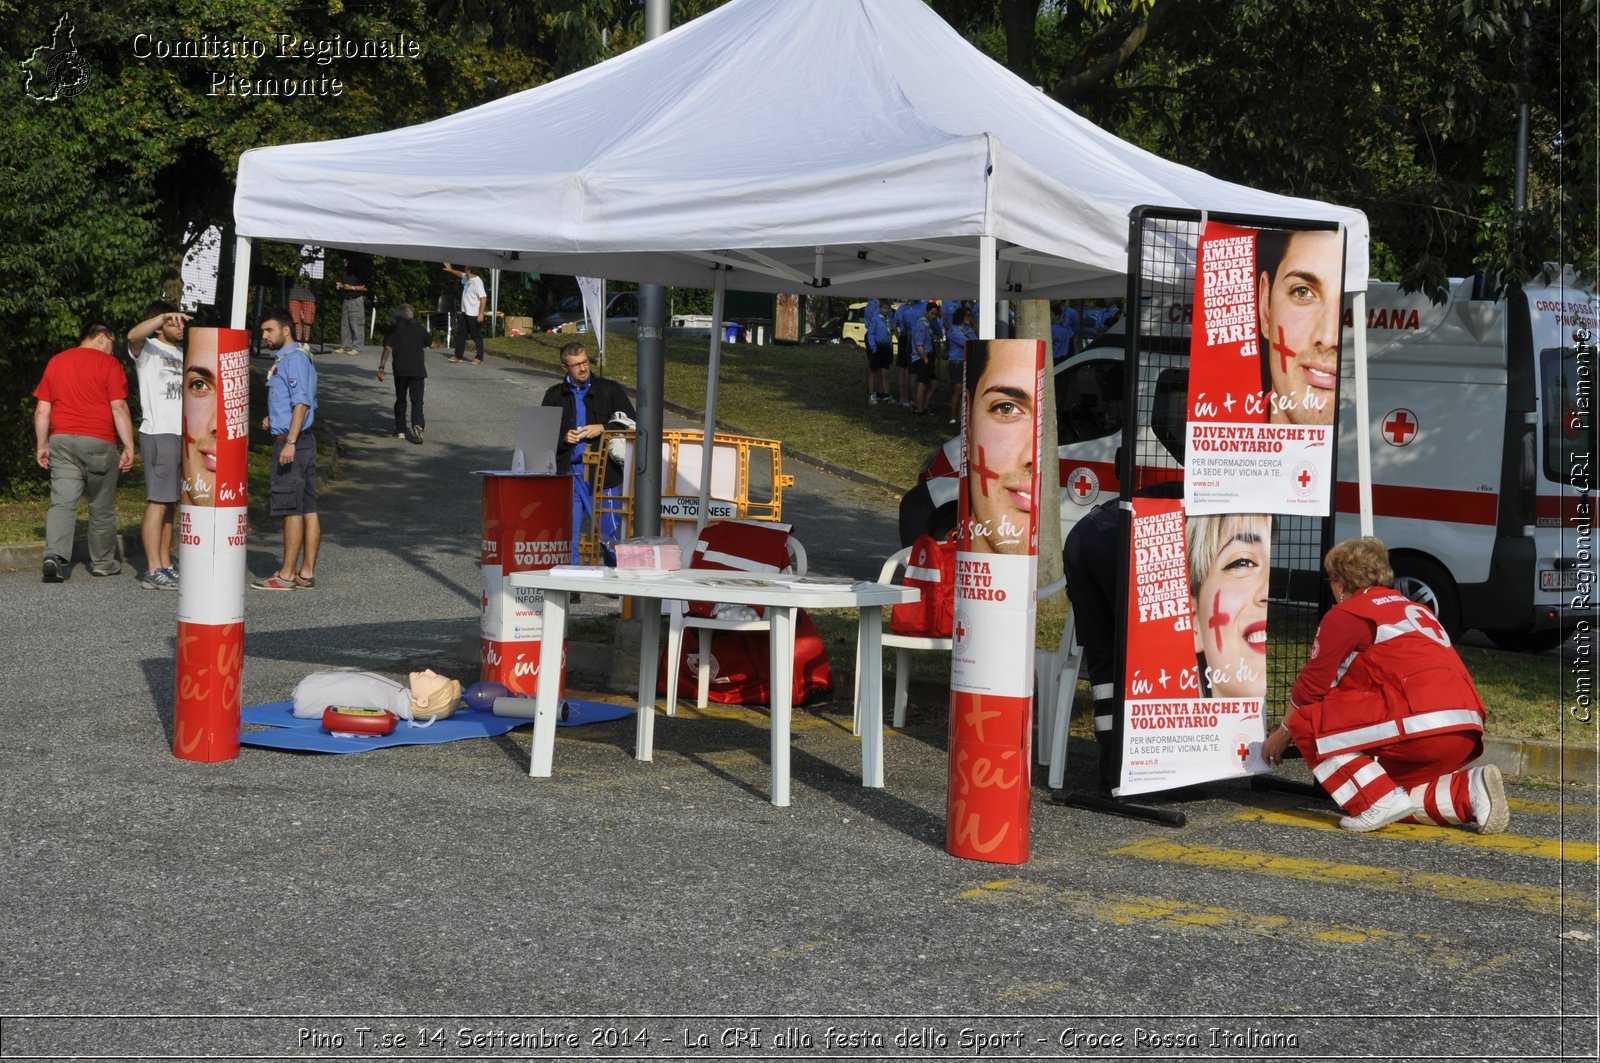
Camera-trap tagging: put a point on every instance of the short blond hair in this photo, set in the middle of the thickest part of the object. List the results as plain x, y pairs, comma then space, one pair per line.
1359, 563
1207, 535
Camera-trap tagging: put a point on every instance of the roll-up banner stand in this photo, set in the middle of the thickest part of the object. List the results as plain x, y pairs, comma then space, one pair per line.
1237, 341
211, 526
527, 526
997, 556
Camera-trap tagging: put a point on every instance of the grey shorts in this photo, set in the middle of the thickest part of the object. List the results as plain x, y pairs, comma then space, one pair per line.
161, 454
294, 486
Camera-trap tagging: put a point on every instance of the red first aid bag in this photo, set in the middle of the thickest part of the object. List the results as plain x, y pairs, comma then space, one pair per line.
931, 568
741, 672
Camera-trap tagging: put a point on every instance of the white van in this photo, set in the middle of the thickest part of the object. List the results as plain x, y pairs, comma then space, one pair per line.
1483, 447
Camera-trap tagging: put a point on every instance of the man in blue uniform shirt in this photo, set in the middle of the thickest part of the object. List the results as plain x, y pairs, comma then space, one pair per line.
291, 409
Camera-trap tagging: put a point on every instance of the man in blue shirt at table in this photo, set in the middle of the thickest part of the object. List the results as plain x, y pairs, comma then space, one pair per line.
291, 409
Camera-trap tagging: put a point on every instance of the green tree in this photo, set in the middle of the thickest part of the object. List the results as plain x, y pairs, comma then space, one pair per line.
106, 187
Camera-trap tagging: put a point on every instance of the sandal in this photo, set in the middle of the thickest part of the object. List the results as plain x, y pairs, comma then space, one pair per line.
455, 359
305, 583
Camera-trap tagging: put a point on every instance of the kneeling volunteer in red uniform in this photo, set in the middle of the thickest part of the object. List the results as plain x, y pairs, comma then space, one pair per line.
1384, 712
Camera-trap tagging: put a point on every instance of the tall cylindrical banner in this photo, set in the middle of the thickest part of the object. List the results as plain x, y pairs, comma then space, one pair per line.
211, 543
997, 557
527, 525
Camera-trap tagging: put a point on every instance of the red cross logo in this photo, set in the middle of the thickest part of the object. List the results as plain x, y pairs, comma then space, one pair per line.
1285, 352
1085, 485
1218, 620
1399, 426
1304, 478
1243, 751
983, 474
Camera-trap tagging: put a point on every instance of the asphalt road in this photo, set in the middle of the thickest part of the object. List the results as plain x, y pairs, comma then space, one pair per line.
295, 905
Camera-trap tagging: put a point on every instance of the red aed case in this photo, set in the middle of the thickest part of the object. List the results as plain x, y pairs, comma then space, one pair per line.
340, 719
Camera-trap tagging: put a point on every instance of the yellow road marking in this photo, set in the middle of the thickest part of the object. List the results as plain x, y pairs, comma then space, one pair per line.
1539, 899
1521, 845
1531, 807
1126, 909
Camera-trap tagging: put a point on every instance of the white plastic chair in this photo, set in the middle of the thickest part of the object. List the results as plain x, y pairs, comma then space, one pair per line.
678, 618
1057, 675
903, 645
1046, 674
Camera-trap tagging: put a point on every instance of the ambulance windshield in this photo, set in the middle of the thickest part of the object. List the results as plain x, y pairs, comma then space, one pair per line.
1567, 401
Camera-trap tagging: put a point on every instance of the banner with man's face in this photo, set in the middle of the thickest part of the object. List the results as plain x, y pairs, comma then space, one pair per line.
991, 660
210, 527
1264, 371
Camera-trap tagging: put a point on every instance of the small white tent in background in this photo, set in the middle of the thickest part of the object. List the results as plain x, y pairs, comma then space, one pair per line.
856, 146
199, 270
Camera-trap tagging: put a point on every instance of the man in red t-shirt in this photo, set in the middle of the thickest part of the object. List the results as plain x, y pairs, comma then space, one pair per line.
81, 417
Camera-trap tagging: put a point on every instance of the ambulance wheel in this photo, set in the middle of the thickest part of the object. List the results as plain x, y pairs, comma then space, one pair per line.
1425, 581
1521, 640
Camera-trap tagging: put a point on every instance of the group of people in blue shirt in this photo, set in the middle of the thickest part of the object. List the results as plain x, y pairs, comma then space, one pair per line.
914, 335
1069, 328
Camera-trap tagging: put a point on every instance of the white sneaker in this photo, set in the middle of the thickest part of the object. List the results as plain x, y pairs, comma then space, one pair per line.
872, 400
1395, 805
1488, 791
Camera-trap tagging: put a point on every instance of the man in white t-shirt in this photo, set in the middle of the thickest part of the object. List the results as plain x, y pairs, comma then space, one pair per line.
156, 347
470, 319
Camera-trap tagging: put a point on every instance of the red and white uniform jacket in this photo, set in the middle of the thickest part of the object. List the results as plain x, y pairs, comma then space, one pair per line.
1382, 670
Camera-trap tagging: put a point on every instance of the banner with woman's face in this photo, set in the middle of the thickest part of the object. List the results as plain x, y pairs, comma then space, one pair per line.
1196, 670
211, 526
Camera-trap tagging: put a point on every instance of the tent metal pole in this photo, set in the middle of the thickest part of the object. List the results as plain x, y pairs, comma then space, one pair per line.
652, 360
988, 270
241, 281
494, 302
713, 368
1363, 415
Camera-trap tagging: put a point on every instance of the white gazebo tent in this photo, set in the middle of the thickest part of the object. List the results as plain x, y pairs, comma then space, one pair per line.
857, 146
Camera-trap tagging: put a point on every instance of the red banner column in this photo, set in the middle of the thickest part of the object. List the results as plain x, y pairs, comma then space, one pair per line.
527, 526
997, 556
211, 525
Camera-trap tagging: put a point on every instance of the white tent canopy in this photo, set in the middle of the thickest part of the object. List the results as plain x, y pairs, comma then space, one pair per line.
858, 144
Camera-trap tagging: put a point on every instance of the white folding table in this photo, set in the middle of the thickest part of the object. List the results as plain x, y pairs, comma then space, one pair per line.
782, 596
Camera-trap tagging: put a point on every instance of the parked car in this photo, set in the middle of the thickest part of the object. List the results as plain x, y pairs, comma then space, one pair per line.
570, 308
622, 318
830, 331
854, 332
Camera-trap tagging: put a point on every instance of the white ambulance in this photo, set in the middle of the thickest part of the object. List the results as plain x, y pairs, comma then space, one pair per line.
1483, 449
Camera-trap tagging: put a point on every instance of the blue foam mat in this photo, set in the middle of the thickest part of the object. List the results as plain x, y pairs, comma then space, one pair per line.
291, 732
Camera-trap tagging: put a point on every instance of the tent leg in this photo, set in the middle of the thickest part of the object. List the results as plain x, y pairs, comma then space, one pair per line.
718, 296
988, 269
1363, 416
241, 281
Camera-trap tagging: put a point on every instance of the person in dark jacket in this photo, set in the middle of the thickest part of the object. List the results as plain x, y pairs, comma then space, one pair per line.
588, 403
